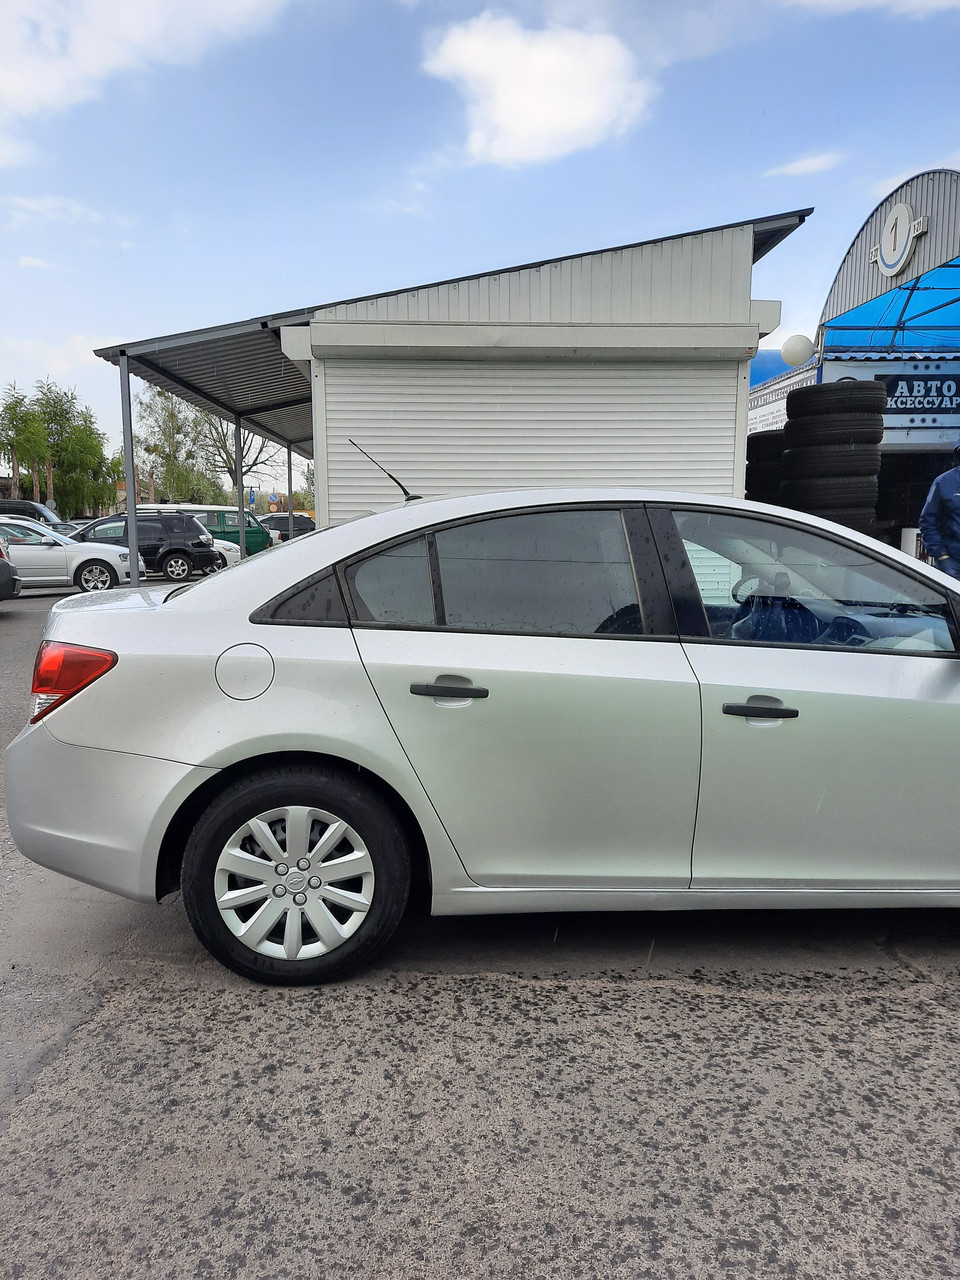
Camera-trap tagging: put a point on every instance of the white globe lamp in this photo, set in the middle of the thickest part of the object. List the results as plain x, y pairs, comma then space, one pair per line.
797, 350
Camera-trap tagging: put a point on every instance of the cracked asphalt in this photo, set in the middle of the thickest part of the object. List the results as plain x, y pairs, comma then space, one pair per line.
664, 1096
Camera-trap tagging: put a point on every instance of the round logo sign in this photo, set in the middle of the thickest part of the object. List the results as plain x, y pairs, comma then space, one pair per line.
897, 240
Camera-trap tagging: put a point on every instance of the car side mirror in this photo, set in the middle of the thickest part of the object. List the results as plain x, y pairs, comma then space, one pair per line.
49, 542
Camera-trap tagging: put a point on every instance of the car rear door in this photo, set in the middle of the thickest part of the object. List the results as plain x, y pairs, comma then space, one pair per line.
830, 688
528, 667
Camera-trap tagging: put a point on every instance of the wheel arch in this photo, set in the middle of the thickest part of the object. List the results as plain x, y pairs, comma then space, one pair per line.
170, 857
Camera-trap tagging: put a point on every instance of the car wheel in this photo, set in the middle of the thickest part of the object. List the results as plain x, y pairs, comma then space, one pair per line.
177, 567
221, 563
95, 576
296, 875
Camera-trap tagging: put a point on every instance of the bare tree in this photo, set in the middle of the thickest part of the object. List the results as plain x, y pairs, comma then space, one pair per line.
217, 438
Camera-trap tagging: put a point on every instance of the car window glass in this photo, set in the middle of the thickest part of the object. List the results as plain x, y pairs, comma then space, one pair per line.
108, 530
549, 572
231, 519
149, 528
394, 586
765, 582
19, 534
317, 602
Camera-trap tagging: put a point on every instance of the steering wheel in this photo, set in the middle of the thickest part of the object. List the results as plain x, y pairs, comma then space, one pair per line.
749, 585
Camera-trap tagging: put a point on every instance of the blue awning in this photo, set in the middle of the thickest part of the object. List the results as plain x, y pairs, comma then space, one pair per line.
918, 316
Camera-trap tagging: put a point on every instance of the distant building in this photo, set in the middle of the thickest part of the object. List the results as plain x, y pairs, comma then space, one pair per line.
893, 314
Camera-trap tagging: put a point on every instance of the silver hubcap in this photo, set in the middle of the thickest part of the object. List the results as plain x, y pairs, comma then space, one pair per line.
294, 883
177, 568
95, 578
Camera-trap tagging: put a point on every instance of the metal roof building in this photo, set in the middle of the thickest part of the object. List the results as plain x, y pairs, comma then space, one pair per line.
604, 364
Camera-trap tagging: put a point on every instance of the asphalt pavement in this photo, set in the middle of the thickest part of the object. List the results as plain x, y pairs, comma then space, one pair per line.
666, 1096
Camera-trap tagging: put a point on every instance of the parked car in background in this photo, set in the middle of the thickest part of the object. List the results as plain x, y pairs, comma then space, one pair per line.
9, 577
228, 555
221, 522
173, 543
69, 527
582, 699
45, 558
32, 510
278, 522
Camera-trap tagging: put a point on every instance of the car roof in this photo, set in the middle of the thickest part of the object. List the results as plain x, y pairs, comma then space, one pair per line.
290, 562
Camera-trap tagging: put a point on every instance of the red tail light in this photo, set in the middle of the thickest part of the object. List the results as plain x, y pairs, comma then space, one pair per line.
61, 670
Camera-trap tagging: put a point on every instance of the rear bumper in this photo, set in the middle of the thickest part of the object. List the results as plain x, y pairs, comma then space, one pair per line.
96, 816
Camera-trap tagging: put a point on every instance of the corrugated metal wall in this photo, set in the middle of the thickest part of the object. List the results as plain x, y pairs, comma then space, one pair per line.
450, 427
935, 194
702, 279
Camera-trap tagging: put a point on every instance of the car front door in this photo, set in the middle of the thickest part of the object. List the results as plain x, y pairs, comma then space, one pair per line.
830, 688
40, 559
112, 530
549, 712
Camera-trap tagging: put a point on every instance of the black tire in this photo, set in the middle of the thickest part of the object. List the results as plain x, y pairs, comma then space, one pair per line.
96, 575
761, 474
832, 460
177, 566
845, 428
837, 397
764, 446
372, 837
830, 491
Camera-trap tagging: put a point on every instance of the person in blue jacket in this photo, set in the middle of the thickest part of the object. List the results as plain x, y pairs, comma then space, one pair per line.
940, 519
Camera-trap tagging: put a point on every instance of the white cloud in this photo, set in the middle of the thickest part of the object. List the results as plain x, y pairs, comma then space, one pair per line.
886, 185
22, 210
33, 262
57, 53
35, 359
537, 95
807, 164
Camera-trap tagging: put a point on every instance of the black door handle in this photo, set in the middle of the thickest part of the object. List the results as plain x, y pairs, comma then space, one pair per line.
449, 691
759, 713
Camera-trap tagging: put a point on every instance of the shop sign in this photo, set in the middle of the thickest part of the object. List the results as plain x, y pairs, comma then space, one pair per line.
925, 393
898, 239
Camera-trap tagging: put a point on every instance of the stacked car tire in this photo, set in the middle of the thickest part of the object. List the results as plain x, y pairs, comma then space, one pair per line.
831, 451
764, 449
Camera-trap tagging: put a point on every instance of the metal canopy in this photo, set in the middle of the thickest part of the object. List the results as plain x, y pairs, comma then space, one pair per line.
238, 371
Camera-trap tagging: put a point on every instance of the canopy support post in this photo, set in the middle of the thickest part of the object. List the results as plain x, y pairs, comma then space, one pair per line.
290, 489
238, 463
133, 543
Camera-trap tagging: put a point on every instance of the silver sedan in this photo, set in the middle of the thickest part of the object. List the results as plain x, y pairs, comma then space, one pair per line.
573, 699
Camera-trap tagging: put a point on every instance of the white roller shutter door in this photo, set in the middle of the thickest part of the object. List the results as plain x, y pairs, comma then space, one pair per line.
454, 427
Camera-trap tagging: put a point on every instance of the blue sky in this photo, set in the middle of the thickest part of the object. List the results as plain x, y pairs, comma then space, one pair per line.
172, 164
